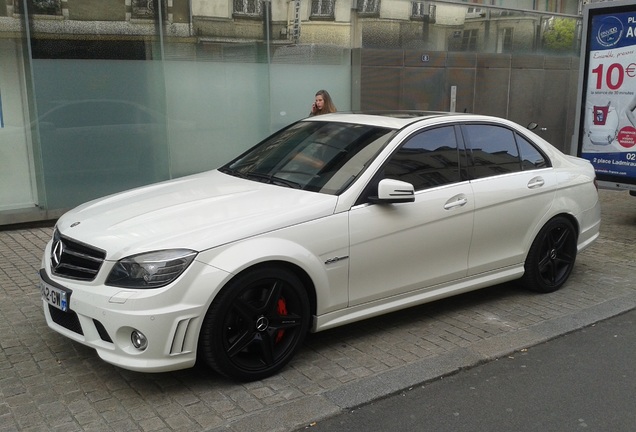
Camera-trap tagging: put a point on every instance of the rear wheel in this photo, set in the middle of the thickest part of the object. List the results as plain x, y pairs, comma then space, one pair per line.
256, 324
551, 257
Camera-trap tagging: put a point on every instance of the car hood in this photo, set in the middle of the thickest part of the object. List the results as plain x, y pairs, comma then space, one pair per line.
196, 212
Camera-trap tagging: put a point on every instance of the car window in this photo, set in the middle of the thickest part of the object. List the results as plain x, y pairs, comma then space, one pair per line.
531, 158
493, 150
316, 156
427, 159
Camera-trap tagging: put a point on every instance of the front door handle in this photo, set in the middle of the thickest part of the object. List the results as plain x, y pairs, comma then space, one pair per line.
456, 201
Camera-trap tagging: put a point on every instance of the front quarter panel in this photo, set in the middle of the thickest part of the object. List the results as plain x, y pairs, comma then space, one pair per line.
319, 249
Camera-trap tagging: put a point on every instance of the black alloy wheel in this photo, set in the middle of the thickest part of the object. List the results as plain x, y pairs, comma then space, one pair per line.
256, 324
551, 257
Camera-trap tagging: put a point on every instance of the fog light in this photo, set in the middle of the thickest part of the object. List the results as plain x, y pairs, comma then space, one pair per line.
138, 340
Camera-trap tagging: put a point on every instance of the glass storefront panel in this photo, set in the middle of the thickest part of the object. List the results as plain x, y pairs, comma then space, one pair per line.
115, 94
222, 109
102, 127
513, 27
17, 173
215, 112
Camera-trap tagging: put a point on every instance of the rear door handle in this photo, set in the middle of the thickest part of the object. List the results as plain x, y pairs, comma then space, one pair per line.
536, 182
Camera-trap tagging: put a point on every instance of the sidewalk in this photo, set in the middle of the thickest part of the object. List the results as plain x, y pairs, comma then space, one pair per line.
48, 382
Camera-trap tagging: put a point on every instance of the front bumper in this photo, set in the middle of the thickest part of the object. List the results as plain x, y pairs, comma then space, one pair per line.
104, 317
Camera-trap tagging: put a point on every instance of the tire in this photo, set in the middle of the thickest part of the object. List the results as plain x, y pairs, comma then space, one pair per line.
256, 324
551, 257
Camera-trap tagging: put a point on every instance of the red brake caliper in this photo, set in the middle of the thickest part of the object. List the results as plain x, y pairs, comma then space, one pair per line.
282, 311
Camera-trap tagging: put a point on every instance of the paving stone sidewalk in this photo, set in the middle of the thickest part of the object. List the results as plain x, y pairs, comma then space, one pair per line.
50, 383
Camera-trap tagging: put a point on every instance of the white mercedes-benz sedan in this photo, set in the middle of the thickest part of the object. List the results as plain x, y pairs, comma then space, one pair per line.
333, 219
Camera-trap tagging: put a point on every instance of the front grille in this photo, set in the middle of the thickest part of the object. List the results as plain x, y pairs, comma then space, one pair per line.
75, 260
68, 320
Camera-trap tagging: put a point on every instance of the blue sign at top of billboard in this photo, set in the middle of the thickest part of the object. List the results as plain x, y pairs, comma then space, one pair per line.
613, 31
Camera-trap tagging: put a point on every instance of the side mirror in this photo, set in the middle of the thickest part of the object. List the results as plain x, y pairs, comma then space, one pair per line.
394, 191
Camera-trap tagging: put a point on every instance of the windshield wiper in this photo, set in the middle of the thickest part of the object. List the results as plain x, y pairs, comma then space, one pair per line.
263, 178
232, 172
272, 179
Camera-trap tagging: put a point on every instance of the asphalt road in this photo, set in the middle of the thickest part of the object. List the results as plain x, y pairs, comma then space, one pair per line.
583, 381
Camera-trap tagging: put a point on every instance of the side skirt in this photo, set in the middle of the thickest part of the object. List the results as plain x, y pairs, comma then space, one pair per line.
413, 298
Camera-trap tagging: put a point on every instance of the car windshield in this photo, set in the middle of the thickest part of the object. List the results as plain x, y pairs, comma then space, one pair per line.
316, 156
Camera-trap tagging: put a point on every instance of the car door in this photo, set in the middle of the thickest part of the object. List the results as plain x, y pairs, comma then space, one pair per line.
514, 187
397, 248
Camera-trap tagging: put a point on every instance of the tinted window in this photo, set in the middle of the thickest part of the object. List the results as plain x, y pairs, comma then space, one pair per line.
494, 150
427, 159
312, 155
531, 158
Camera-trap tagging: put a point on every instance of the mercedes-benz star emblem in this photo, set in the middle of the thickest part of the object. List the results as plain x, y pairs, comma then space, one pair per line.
56, 254
262, 324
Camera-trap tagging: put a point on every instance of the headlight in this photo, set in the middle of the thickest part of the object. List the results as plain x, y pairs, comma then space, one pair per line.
150, 270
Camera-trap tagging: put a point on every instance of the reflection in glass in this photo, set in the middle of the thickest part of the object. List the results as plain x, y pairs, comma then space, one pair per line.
40, 7
427, 159
316, 156
248, 7
322, 8
493, 148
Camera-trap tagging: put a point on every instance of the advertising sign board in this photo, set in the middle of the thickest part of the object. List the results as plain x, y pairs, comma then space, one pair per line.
605, 130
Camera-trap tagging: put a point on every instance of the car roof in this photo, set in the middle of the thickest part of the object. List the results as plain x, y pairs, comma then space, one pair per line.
394, 119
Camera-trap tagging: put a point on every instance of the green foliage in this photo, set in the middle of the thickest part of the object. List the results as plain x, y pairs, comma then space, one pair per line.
559, 35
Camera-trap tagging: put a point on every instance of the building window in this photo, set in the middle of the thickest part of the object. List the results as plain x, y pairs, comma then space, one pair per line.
369, 7
148, 8
422, 10
252, 8
40, 7
469, 40
556, 6
322, 9
506, 39
474, 12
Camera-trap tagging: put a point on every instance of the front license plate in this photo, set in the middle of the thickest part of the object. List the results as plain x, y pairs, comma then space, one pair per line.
54, 296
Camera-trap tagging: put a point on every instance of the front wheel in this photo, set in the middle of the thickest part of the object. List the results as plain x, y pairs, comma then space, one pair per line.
256, 324
551, 257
